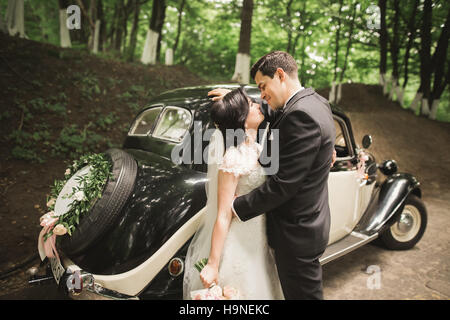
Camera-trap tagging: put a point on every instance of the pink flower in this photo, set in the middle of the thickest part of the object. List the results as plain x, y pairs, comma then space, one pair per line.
51, 202
59, 230
231, 293
47, 220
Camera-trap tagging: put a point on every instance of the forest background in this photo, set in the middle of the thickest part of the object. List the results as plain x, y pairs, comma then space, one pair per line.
402, 45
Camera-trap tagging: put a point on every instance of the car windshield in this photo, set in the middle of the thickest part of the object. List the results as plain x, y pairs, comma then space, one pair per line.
173, 124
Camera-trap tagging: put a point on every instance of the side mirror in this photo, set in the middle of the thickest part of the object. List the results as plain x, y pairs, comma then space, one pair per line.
367, 141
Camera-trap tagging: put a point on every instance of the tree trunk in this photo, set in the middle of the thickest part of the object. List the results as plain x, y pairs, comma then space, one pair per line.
439, 91
95, 31
303, 23
425, 59
302, 62
96, 36
112, 32
15, 18
159, 27
242, 67
134, 31
169, 57
412, 37
64, 35
3, 27
333, 91
289, 27
180, 16
150, 54
128, 8
347, 52
417, 101
383, 45
101, 17
119, 25
394, 50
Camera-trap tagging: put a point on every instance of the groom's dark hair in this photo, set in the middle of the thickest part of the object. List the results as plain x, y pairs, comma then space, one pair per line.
269, 63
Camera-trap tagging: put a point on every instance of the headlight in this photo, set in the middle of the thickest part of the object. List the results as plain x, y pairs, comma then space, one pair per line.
176, 267
388, 167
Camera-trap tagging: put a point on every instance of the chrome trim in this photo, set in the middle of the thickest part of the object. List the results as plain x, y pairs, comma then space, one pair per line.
81, 285
153, 106
159, 120
347, 244
97, 292
348, 141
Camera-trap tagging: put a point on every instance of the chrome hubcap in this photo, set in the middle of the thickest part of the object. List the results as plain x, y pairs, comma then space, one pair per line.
408, 225
406, 222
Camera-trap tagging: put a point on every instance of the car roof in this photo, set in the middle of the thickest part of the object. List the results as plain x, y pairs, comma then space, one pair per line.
194, 97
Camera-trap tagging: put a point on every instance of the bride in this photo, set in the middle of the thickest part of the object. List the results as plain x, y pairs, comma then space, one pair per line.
238, 253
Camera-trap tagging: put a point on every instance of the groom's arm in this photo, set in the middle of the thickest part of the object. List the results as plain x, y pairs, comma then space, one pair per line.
300, 140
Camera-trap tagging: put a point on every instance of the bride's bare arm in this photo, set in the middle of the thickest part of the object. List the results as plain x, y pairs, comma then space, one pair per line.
227, 183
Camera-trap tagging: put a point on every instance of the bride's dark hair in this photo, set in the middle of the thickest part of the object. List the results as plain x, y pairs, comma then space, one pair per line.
230, 113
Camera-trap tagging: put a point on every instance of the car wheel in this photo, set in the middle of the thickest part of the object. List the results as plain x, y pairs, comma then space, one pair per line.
105, 211
409, 227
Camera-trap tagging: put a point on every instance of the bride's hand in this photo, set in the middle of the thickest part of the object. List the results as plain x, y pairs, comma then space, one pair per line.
209, 275
218, 93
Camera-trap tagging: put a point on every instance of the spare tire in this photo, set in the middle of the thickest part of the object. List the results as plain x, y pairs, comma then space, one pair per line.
105, 211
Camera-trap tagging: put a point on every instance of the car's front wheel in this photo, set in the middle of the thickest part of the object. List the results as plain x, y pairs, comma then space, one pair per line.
409, 228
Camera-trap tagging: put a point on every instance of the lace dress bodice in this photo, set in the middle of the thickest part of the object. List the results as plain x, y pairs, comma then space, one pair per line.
242, 161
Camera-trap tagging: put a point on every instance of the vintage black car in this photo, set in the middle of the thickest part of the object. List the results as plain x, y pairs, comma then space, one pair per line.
134, 240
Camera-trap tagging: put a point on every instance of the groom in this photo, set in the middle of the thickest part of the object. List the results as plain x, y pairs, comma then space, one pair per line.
296, 197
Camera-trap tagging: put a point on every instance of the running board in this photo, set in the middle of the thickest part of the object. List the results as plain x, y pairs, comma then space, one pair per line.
351, 242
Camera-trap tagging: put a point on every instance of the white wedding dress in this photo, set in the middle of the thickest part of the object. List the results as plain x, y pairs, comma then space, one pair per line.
247, 262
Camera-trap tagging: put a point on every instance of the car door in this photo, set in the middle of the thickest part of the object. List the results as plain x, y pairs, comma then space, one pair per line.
344, 185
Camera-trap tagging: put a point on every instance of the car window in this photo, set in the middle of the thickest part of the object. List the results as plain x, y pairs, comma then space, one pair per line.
340, 142
340, 139
173, 124
145, 121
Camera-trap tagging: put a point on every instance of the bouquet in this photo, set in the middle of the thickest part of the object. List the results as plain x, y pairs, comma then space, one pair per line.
215, 292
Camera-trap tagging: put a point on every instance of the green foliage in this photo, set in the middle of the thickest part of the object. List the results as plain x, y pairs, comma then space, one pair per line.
106, 121
199, 265
74, 141
25, 145
88, 84
19, 152
90, 186
5, 115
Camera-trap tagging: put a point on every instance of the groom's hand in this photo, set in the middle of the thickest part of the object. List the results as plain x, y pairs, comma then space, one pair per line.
333, 159
218, 93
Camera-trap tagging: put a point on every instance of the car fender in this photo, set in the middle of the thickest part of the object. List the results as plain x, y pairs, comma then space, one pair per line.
387, 201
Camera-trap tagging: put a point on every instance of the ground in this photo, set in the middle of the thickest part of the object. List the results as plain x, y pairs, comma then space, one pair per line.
31, 70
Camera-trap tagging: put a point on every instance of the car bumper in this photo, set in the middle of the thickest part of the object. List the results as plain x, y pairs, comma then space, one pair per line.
81, 285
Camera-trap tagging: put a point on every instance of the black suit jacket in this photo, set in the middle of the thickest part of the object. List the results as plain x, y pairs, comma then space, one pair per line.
295, 199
